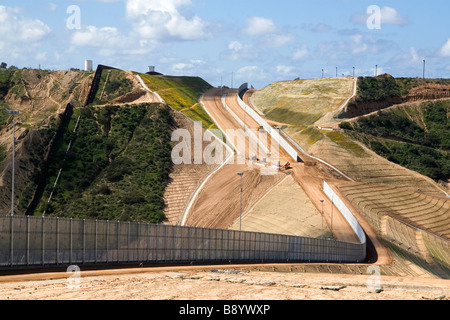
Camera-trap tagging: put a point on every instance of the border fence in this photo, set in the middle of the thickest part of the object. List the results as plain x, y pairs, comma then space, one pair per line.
27, 241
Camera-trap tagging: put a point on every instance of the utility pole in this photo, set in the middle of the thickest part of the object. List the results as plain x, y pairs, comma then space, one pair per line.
424, 69
322, 216
322, 73
353, 72
13, 113
336, 72
332, 205
240, 215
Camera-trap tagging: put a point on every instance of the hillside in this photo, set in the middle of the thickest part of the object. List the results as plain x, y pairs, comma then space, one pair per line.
182, 94
376, 93
394, 189
107, 160
41, 96
301, 103
416, 136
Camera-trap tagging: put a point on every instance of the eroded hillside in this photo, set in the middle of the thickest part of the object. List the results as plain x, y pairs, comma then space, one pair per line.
94, 145
41, 97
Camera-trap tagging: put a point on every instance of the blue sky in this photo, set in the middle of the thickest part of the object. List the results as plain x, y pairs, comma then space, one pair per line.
231, 42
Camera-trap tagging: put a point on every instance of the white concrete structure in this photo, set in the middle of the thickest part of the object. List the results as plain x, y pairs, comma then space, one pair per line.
88, 65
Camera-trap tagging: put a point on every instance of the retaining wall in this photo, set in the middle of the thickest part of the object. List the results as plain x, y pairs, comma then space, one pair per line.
348, 215
273, 132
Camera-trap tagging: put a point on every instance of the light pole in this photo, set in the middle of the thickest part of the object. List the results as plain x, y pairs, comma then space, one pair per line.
240, 215
332, 205
13, 113
424, 68
322, 217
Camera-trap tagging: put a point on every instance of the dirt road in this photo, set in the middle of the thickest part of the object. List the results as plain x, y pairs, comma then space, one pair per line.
269, 282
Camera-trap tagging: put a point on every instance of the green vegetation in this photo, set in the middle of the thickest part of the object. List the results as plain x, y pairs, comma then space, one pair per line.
422, 145
384, 87
182, 94
5, 82
346, 143
113, 84
118, 167
379, 88
292, 117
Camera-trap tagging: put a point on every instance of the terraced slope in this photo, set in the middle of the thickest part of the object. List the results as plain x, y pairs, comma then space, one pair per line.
407, 209
428, 212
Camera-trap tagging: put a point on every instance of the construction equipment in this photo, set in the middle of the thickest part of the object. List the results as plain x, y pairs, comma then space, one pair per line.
286, 166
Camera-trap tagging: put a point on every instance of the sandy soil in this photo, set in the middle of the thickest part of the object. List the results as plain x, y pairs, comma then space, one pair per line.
286, 209
220, 283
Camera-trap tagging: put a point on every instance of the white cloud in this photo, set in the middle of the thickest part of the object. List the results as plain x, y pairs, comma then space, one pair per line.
110, 41
285, 70
92, 36
269, 34
388, 15
445, 50
256, 26
16, 28
251, 72
21, 36
300, 53
276, 40
189, 67
163, 20
239, 51
391, 16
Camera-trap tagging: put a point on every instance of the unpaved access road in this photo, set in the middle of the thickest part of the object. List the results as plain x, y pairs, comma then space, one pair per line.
310, 178
219, 283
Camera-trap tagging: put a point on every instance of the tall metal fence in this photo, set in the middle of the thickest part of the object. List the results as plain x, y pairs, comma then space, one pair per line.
44, 241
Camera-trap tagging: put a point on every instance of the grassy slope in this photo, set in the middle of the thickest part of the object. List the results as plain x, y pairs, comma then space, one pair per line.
302, 102
182, 94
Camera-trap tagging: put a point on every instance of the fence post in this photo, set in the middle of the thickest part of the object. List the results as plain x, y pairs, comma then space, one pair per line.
28, 240
128, 241
148, 242
96, 223
57, 241
11, 219
71, 235
118, 241
43, 241
84, 241
107, 241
